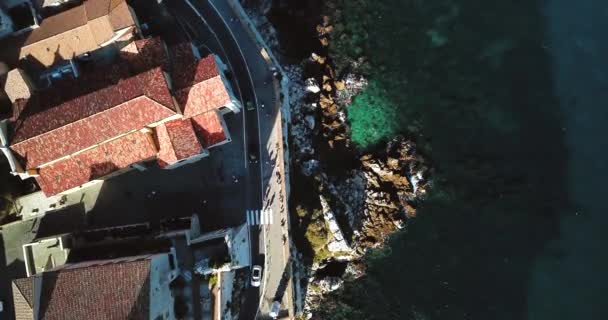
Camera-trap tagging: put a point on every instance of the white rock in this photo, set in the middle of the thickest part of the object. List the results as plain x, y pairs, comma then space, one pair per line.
310, 120
329, 284
312, 85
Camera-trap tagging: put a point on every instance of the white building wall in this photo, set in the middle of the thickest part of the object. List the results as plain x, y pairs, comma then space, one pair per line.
161, 297
235, 106
186, 161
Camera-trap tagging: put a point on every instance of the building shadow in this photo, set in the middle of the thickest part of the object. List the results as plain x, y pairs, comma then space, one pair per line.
69, 219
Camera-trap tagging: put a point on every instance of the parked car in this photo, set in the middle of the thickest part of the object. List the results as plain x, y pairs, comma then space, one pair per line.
274, 309
256, 276
253, 158
253, 153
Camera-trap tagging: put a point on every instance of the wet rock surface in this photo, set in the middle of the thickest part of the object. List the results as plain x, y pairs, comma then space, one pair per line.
361, 198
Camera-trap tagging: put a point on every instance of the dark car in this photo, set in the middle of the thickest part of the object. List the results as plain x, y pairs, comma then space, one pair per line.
253, 154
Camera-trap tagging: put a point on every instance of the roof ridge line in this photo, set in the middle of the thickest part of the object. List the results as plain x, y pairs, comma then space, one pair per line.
170, 139
79, 120
130, 259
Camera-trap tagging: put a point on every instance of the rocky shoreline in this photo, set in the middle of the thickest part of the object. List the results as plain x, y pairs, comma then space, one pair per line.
356, 206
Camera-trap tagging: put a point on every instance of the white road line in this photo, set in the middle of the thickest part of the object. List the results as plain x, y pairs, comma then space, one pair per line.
255, 96
231, 69
260, 217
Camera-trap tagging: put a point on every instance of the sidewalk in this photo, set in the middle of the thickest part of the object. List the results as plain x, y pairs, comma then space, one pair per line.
277, 251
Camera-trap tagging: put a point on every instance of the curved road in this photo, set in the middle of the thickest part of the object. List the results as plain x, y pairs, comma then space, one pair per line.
214, 26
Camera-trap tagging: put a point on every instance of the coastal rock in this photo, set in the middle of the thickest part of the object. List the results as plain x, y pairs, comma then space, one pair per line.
328, 284
310, 121
312, 85
310, 167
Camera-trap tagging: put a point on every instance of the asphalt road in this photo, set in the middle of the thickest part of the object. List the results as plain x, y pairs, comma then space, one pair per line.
223, 34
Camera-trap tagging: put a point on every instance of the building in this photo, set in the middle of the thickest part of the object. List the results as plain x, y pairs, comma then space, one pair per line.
135, 271
154, 103
71, 33
6, 23
126, 288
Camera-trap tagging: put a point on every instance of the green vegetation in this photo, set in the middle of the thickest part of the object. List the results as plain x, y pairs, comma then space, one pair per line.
316, 233
212, 280
311, 234
472, 82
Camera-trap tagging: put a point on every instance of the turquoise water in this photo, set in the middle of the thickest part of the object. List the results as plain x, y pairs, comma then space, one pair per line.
508, 98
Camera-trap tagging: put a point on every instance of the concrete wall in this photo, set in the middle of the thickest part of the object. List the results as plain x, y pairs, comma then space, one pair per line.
161, 297
192, 159
236, 105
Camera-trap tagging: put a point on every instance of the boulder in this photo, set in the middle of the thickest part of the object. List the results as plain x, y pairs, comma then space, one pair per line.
310, 121
312, 85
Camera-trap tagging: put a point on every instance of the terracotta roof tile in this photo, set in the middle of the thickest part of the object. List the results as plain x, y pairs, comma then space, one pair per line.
111, 291
145, 54
182, 60
96, 8
183, 74
23, 298
206, 68
208, 127
177, 141
120, 16
91, 119
203, 97
55, 116
56, 24
96, 163
131, 115
155, 87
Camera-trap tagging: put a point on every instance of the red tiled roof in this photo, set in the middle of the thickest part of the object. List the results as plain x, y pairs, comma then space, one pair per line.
199, 89
177, 141
99, 106
96, 163
111, 291
203, 97
23, 298
145, 54
208, 126
93, 118
182, 72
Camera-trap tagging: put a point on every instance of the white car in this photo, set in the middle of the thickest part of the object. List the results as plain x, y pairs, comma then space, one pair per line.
274, 309
256, 276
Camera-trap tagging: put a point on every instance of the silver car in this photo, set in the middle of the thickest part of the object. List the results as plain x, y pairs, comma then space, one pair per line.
274, 309
256, 276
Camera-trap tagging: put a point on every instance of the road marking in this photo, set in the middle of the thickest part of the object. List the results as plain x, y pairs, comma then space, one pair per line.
270, 215
259, 217
233, 73
255, 96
